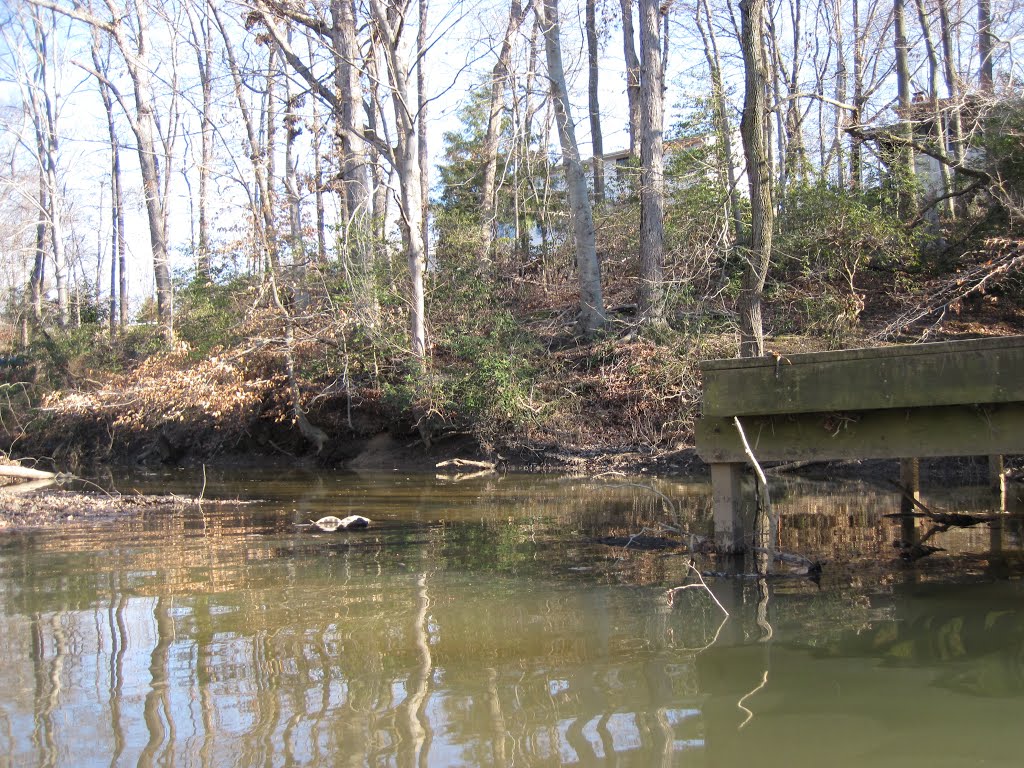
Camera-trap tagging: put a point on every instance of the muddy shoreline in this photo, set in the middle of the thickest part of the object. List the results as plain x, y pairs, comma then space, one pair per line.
22, 508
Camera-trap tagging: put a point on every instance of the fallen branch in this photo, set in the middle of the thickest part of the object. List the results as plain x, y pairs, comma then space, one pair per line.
773, 522
973, 281
671, 594
750, 453
461, 463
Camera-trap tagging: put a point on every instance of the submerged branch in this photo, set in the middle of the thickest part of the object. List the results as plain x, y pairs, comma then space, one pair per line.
700, 585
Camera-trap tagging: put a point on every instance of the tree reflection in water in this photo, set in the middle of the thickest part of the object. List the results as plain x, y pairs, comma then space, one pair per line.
482, 625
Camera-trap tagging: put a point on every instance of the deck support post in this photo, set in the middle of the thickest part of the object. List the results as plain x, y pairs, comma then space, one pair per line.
997, 480
727, 505
910, 479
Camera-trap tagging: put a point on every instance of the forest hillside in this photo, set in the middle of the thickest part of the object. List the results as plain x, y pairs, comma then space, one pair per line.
347, 231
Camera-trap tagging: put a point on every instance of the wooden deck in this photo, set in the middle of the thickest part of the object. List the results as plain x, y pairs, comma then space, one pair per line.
958, 398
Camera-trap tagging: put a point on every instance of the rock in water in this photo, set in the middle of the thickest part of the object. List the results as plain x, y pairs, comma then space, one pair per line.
330, 523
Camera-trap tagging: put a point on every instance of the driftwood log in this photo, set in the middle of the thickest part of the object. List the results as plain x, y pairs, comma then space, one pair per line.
25, 473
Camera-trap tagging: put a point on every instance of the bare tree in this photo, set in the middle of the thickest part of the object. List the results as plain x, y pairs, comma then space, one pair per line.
317, 179
632, 74
905, 154
596, 139
652, 176
985, 64
388, 19
421, 119
118, 246
842, 83
856, 146
758, 250
335, 26
952, 83
499, 84
592, 314
293, 129
201, 40
128, 28
36, 78
723, 125
937, 117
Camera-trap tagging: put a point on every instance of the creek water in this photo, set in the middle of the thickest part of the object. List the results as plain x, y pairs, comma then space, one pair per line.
483, 623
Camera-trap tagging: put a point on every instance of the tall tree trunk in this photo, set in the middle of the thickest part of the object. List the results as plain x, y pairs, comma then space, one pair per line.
499, 82
202, 42
378, 127
905, 154
148, 135
387, 18
857, 143
986, 77
722, 124
596, 139
421, 119
351, 101
842, 82
117, 243
796, 154
318, 184
43, 95
206, 80
652, 178
39, 262
112, 301
261, 203
956, 130
592, 314
118, 226
291, 189
268, 190
759, 177
939, 122
348, 109
632, 74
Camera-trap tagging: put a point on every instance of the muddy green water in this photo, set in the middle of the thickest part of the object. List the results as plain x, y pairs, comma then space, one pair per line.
479, 623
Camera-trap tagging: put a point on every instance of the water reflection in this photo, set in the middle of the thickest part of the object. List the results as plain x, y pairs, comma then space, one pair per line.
480, 624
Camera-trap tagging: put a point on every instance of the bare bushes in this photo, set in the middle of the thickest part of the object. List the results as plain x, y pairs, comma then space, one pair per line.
826, 238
